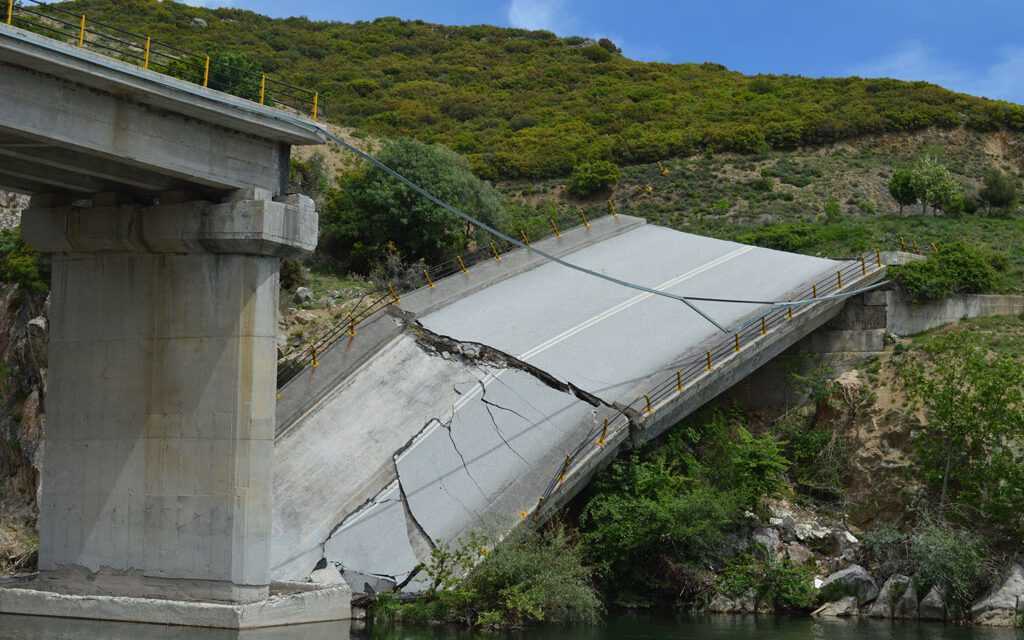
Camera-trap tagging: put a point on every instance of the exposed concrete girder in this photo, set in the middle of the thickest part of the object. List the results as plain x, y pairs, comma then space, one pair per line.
21, 185
57, 158
55, 179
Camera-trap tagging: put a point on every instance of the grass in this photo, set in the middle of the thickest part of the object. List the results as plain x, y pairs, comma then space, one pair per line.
1003, 335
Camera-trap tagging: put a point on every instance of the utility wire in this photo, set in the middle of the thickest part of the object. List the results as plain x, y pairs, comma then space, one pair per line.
327, 136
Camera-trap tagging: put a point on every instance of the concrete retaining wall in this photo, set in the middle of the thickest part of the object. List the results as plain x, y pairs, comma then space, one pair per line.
906, 318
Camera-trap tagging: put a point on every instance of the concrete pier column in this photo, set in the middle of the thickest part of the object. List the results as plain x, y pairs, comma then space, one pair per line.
158, 456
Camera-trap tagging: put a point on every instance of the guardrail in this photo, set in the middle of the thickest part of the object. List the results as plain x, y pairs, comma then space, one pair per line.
696, 367
291, 364
211, 71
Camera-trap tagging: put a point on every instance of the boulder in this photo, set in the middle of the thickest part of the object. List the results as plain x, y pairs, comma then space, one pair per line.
887, 598
933, 607
328, 576
769, 539
842, 608
798, 554
906, 606
999, 608
303, 295
722, 603
853, 580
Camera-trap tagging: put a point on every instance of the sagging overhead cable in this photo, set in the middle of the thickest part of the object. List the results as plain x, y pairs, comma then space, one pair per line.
327, 136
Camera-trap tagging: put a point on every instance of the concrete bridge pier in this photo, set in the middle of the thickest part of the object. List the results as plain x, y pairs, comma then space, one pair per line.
158, 461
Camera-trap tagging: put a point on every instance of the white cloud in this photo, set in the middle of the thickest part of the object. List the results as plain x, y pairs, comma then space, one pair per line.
536, 14
1003, 78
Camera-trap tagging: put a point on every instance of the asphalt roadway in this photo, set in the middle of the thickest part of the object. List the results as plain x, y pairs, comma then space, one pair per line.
456, 447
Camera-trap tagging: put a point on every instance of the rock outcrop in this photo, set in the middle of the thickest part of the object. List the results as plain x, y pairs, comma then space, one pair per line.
891, 593
933, 607
1002, 606
842, 608
852, 581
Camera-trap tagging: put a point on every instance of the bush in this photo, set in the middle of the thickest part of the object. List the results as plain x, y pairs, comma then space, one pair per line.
955, 268
371, 209
999, 190
951, 559
901, 188
20, 264
780, 583
593, 177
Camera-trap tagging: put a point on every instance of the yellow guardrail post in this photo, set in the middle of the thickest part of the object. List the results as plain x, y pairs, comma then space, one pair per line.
814, 290
839, 279
709, 361
863, 266
494, 250
583, 216
647, 407
526, 238
145, 54
81, 31
878, 258
263, 87
679, 381
462, 265
351, 328
612, 209
426, 274
314, 362
316, 105
736, 343
206, 72
603, 438
764, 326
394, 294
10, 11
789, 313
554, 227
565, 469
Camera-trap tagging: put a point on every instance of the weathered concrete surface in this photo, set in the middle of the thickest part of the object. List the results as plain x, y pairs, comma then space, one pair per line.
100, 125
907, 318
288, 607
18, 627
494, 389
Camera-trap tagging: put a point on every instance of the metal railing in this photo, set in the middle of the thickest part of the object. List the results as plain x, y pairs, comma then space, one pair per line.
211, 71
291, 364
695, 367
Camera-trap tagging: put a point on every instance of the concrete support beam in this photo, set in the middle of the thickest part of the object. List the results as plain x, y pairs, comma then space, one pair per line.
162, 374
54, 179
107, 170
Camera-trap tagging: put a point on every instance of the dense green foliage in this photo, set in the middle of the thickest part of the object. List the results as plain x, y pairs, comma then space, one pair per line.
999, 190
955, 268
371, 211
655, 520
19, 263
777, 583
529, 577
901, 188
968, 450
530, 104
593, 177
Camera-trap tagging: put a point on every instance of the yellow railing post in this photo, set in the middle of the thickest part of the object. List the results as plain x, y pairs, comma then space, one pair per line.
526, 238
604, 434
394, 294
426, 274
10, 11
263, 87
736, 343
764, 326
81, 31
863, 266
789, 313
494, 250
206, 72
709, 361
462, 265
351, 328
679, 381
878, 258
314, 363
316, 105
647, 407
145, 55
814, 290
583, 216
839, 279
554, 227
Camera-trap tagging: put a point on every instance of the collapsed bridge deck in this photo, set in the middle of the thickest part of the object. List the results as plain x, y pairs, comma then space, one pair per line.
460, 421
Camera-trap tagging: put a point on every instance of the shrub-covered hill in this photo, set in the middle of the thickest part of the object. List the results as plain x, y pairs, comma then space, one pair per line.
529, 104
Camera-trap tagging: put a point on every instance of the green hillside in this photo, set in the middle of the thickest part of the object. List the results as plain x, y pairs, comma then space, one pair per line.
528, 104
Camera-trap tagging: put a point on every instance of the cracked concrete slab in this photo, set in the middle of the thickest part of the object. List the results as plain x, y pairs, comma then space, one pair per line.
461, 423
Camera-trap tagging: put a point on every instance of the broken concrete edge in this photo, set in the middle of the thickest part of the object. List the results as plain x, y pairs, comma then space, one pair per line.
300, 606
249, 227
447, 290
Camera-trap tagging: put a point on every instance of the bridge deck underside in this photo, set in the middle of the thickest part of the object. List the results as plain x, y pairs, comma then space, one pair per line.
435, 437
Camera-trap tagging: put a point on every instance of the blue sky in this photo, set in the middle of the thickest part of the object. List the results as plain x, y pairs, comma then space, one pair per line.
975, 46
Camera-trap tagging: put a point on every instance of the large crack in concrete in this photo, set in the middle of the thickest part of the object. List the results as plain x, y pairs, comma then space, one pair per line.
478, 356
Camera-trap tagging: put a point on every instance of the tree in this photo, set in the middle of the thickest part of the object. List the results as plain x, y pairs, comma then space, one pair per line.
1000, 190
371, 209
934, 185
593, 177
974, 406
901, 188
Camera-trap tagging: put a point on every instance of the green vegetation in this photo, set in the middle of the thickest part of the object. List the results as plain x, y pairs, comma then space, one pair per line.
968, 451
20, 264
901, 188
653, 522
593, 177
999, 191
371, 212
777, 583
530, 577
530, 104
955, 268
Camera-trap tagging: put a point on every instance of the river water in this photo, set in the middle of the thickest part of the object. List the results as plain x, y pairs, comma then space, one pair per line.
616, 627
